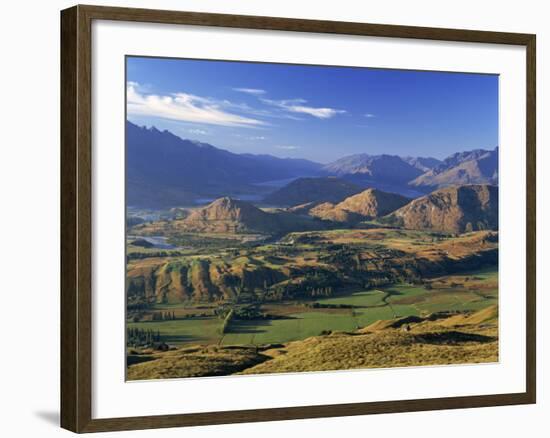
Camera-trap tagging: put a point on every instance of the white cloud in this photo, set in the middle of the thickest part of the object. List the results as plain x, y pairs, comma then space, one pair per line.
249, 137
185, 107
287, 147
198, 131
369, 115
298, 106
321, 113
253, 91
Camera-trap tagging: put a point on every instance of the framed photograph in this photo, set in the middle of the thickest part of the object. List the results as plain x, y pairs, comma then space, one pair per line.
269, 218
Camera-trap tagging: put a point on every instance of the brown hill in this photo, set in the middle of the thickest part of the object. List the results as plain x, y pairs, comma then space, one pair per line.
373, 203
329, 212
488, 315
228, 215
453, 209
369, 204
304, 190
425, 344
219, 275
324, 211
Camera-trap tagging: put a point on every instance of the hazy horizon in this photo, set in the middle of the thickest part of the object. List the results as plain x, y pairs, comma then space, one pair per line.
195, 140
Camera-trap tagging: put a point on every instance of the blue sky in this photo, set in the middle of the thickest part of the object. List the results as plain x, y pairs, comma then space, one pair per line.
314, 112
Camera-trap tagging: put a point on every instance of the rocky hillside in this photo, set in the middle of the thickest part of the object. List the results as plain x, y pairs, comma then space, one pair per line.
328, 211
325, 211
453, 209
228, 215
377, 257
369, 204
423, 163
304, 190
373, 203
473, 167
379, 168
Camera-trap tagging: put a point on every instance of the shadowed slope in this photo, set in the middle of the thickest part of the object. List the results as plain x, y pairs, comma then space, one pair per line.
304, 190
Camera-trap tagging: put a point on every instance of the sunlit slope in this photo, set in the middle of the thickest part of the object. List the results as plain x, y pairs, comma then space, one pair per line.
434, 340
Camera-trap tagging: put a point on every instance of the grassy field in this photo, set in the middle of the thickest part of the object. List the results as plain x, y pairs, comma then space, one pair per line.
185, 331
296, 321
451, 339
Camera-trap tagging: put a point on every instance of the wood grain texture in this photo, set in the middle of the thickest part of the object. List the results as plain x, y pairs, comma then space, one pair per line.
76, 219
69, 329
299, 25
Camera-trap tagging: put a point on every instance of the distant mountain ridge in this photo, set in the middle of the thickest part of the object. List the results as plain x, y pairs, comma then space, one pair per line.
472, 167
389, 173
413, 176
461, 157
379, 168
163, 170
423, 163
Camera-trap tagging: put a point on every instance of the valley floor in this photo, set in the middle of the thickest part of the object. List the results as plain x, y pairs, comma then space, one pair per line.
298, 319
450, 319
444, 340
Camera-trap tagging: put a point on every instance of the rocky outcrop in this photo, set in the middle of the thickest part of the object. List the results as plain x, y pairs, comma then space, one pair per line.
228, 215
373, 203
453, 209
369, 204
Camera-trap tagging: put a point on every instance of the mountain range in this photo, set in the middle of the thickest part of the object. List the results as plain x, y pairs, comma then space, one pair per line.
474, 167
423, 163
369, 169
452, 209
164, 170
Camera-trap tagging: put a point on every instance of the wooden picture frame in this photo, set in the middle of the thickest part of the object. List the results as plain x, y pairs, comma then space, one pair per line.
76, 217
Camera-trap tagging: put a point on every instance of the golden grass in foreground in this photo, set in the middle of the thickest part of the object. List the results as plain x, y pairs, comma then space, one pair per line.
436, 340
392, 348
196, 361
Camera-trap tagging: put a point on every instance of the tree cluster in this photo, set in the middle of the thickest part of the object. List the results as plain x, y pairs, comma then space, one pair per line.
164, 316
139, 337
